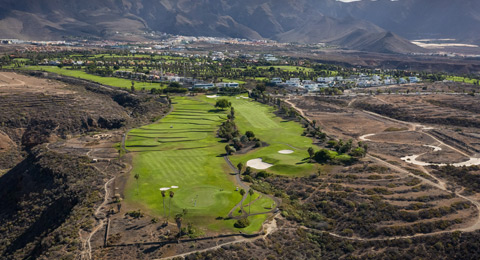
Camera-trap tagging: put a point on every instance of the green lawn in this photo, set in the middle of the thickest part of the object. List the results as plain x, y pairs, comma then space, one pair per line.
232, 80
111, 81
182, 150
278, 133
462, 79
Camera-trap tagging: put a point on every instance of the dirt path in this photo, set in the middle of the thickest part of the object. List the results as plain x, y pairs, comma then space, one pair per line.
240, 183
441, 184
351, 102
21, 83
298, 109
101, 219
268, 228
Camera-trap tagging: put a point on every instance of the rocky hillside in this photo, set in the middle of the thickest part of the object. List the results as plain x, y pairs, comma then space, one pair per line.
49, 195
304, 21
46, 199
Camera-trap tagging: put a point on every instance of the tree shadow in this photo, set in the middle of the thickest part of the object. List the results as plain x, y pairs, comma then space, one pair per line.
151, 249
216, 110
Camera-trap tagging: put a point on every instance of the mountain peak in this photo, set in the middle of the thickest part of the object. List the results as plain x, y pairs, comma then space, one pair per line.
303, 21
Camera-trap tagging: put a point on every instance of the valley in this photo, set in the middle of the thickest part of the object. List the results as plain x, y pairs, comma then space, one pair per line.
225, 129
158, 169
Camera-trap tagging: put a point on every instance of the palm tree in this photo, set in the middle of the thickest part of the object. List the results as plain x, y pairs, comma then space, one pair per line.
240, 167
311, 152
178, 220
163, 195
242, 192
250, 192
137, 176
169, 202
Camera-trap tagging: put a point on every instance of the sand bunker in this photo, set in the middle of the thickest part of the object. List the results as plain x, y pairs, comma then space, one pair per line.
258, 164
214, 96
365, 137
285, 151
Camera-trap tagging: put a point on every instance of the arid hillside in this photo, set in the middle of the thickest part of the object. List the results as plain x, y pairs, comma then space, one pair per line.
50, 191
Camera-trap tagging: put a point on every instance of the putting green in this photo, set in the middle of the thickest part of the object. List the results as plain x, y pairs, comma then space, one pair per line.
182, 150
278, 133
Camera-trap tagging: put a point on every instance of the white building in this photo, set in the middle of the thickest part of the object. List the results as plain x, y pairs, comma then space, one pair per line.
276, 81
413, 79
311, 87
228, 85
293, 83
204, 85
325, 80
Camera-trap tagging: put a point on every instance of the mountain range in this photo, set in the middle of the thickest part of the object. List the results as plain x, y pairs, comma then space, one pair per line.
379, 26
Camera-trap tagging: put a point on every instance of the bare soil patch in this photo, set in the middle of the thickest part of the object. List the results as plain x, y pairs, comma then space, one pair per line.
403, 137
11, 82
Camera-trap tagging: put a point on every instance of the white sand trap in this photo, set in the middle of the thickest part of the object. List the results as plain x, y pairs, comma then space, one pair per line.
285, 151
214, 96
365, 137
259, 164
245, 97
435, 148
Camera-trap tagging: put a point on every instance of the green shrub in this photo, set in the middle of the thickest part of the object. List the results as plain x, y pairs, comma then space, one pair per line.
242, 223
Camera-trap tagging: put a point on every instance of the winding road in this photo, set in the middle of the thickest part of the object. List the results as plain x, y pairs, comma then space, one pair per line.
439, 184
244, 186
442, 185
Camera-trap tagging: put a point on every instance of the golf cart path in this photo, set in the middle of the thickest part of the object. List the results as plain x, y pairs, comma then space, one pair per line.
238, 180
268, 228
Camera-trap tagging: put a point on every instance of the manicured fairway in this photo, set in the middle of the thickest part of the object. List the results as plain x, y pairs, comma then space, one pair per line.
111, 81
278, 133
182, 150
462, 79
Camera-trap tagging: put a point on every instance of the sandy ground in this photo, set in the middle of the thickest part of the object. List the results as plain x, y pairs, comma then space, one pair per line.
258, 164
286, 151
11, 83
5, 142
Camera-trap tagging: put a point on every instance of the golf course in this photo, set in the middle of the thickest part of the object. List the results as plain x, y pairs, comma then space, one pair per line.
279, 134
181, 153
182, 150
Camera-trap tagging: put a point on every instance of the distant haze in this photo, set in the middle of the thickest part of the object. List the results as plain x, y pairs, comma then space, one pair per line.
360, 24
